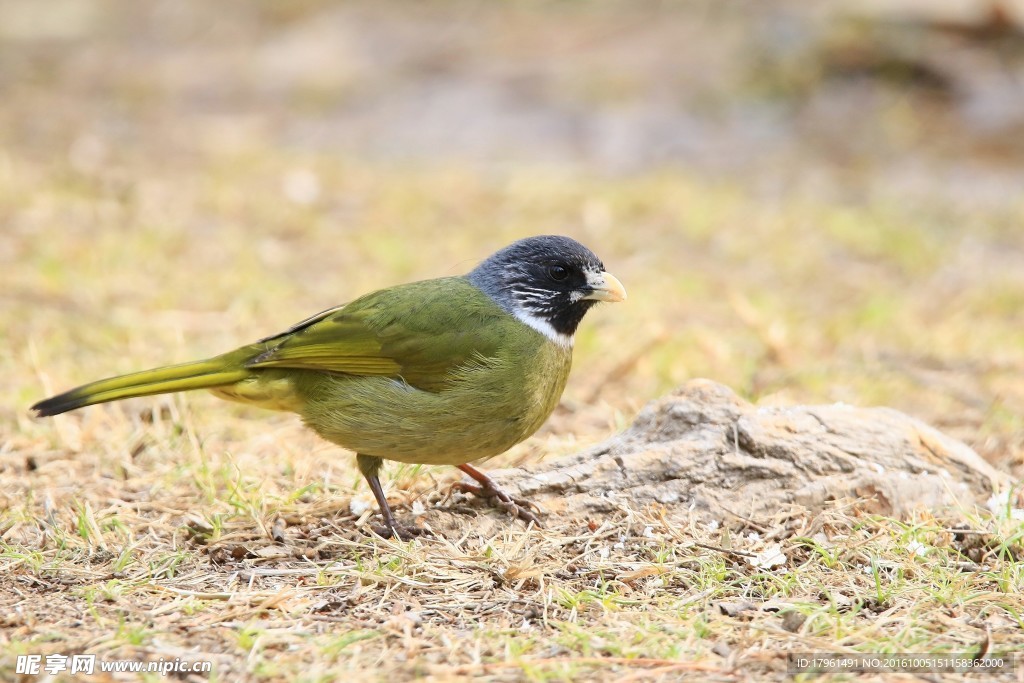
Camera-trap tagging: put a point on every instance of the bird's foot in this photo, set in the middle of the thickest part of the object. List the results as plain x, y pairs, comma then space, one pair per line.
499, 499
402, 532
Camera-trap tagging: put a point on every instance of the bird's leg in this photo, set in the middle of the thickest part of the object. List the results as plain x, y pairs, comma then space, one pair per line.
488, 489
369, 465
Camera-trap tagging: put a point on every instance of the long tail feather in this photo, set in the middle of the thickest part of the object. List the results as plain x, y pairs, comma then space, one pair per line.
202, 374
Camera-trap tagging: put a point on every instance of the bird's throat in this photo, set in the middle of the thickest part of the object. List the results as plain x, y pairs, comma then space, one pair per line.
545, 327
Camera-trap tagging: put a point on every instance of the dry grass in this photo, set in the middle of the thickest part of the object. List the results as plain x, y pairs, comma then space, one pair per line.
147, 529
177, 557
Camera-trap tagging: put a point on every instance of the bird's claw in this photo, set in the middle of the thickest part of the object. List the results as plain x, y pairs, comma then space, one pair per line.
400, 531
514, 506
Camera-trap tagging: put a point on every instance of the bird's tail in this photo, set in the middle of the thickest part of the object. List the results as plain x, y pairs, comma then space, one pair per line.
204, 374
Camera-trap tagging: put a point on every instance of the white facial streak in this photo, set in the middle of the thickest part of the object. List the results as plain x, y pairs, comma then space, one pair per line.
543, 326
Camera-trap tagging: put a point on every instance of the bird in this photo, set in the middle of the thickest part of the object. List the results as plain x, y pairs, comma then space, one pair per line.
446, 371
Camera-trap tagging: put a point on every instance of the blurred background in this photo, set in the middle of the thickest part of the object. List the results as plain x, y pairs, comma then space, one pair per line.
809, 202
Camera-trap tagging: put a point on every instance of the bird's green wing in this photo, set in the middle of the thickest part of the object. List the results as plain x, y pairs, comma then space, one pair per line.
418, 332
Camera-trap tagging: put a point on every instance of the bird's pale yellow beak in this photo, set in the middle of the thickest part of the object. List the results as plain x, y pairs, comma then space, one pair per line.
606, 287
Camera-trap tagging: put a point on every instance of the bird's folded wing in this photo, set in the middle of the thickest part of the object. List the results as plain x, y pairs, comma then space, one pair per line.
412, 332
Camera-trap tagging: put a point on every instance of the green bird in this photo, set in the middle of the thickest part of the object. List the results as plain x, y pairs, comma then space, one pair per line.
442, 372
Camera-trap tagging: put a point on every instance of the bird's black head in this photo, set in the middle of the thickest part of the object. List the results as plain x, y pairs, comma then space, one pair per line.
548, 282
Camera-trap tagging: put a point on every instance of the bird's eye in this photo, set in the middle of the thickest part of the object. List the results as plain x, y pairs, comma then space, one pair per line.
558, 273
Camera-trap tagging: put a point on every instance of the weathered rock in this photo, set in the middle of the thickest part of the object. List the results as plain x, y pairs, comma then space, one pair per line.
703, 448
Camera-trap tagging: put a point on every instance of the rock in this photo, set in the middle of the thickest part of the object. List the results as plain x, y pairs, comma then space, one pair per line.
735, 609
703, 448
793, 621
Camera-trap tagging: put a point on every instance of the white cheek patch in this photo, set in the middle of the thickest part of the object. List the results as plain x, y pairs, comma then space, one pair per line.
544, 327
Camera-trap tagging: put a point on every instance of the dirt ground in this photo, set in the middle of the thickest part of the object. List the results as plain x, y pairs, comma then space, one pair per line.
808, 204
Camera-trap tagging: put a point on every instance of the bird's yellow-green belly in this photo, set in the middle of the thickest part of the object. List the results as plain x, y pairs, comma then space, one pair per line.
487, 409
